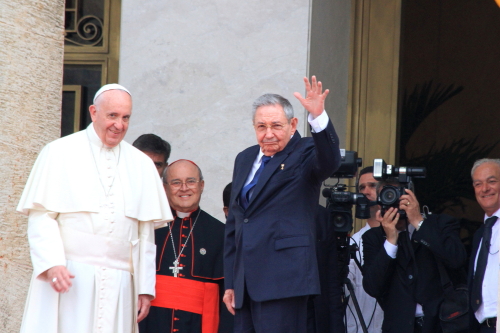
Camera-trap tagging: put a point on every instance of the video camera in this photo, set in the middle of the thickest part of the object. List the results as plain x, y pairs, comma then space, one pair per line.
339, 205
390, 194
340, 201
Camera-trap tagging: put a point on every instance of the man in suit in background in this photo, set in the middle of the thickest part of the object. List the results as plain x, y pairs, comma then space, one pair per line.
156, 148
483, 264
270, 265
226, 197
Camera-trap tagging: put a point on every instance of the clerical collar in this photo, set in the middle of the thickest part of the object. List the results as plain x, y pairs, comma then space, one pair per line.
94, 138
184, 215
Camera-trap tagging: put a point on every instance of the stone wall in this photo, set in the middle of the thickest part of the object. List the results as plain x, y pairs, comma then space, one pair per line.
31, 59
194, 69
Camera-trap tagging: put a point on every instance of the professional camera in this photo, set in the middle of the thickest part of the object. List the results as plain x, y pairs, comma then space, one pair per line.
340, 205
349, 164
340, 201
390, 194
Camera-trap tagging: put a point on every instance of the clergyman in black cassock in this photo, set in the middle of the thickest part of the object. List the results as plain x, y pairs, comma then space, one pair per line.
189, 294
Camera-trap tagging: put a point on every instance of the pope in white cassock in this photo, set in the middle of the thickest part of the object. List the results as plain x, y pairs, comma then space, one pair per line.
93, 202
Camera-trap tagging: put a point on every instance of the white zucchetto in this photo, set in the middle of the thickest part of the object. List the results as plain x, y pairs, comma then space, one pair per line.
111, 86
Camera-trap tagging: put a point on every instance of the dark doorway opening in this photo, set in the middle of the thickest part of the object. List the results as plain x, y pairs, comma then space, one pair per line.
449, 99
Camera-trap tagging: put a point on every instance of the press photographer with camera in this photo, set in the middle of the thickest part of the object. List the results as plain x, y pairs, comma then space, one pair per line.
370, 310
403, 256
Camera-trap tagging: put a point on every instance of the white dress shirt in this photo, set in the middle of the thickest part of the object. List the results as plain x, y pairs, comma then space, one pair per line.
488, 308
371, 311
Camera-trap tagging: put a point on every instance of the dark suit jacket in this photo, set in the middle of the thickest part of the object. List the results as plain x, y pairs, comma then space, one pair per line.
326, 310
269, 247
478, 235
400, 283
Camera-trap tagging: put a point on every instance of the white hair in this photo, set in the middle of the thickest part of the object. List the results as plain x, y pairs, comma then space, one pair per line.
482, 161
273, 99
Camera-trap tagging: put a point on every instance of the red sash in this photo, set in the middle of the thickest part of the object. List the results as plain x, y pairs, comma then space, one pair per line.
191, 296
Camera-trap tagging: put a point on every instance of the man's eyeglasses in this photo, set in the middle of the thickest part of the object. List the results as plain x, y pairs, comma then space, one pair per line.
274, 127
190, 183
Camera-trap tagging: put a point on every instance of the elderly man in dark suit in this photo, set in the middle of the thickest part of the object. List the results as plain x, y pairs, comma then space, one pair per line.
270, 265
483, 263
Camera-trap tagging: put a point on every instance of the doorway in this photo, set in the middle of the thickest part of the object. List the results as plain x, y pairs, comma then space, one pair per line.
449, 99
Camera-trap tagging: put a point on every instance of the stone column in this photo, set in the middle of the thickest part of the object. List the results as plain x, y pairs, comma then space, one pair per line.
31, 60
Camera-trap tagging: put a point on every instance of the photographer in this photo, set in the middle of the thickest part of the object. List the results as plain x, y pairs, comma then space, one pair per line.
400, 263
371, 311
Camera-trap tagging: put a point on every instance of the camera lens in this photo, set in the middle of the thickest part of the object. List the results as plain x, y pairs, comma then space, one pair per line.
339, 220
389, 195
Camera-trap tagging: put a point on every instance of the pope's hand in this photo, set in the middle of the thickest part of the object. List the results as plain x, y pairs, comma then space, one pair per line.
228, 299
59, 278
314, 102
143, 305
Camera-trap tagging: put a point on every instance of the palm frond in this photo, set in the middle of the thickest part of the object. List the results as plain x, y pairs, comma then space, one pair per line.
418, 105
448, 179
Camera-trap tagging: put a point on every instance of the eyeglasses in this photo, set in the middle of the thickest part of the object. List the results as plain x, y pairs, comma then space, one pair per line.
274, 127
190, 183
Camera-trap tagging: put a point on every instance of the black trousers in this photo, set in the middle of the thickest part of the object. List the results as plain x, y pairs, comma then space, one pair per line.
287, 315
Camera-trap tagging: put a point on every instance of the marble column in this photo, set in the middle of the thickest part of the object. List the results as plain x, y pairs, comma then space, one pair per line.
31, 59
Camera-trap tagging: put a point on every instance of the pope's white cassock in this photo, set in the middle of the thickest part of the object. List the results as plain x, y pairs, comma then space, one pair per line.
92, 209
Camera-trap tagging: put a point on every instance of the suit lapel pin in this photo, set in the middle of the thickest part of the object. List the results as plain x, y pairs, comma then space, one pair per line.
203, 251
282, 166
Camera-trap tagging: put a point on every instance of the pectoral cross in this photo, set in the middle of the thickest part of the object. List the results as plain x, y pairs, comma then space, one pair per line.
175, 269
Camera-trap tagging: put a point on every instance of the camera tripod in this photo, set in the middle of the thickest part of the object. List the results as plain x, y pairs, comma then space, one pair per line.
347, 252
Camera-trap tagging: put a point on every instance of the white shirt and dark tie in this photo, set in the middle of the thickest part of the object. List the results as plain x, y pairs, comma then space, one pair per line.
488, 307
317, 125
